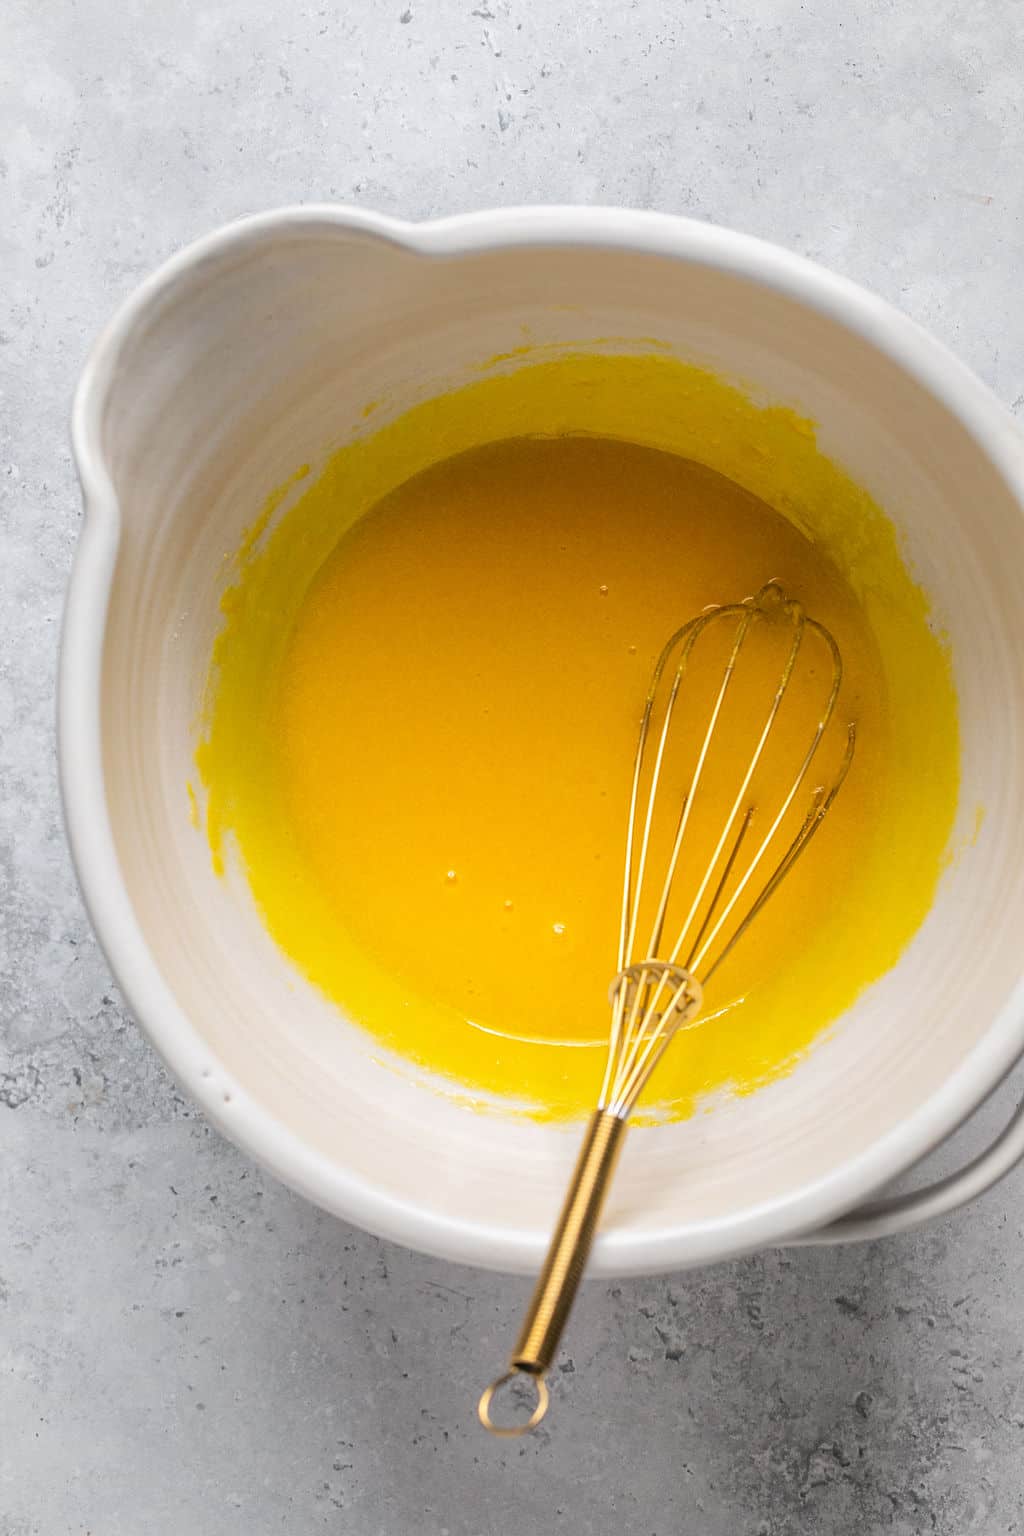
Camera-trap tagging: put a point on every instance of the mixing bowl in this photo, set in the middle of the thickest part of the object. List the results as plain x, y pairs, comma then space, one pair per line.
257, 349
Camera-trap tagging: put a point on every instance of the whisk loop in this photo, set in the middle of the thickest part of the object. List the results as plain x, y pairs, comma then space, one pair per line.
659, 985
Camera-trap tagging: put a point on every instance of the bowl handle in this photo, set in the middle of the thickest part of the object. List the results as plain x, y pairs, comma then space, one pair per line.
892, 1214
899, 1213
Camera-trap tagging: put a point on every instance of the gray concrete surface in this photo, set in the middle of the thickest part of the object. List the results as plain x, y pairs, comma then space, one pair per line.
184, 1345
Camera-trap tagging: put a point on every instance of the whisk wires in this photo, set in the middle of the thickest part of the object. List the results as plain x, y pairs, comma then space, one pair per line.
659, 989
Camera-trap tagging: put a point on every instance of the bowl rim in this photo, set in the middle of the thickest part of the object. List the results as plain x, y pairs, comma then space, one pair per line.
240, 1117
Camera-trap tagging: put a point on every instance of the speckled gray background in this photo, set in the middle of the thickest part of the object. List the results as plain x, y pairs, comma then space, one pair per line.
185, 1346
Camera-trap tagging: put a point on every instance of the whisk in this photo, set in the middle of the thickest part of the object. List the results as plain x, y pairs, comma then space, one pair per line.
734, 865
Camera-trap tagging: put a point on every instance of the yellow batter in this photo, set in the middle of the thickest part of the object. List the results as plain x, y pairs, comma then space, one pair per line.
421, 732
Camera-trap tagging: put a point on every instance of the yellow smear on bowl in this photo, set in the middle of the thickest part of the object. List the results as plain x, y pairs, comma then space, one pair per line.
423, 707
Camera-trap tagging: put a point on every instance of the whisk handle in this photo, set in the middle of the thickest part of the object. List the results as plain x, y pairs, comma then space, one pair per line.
566, 1260
570, 1247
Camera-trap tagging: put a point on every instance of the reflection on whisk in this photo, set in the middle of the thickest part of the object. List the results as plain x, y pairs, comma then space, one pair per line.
736, 836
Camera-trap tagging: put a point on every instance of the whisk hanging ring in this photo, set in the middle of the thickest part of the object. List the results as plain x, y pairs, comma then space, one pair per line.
540, 1407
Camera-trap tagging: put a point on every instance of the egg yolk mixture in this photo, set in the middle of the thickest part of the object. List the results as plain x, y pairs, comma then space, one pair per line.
422, 727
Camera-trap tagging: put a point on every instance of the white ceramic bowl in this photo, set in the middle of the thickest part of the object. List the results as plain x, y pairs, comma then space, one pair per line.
255, 349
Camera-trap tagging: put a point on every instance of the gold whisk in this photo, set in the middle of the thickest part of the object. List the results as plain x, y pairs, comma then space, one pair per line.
658, 988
